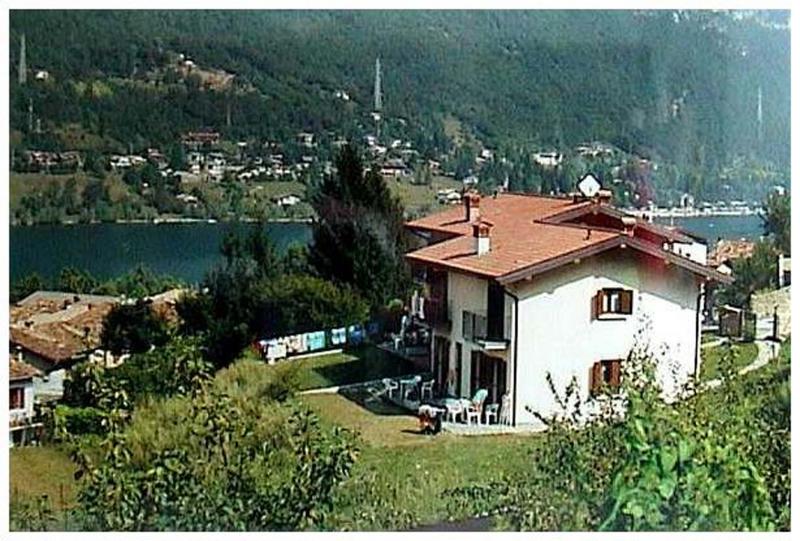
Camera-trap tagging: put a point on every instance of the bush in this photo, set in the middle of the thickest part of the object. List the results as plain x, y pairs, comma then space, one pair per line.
227, 467
77, 421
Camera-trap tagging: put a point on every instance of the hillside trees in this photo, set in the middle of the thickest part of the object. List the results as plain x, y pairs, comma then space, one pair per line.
358, 237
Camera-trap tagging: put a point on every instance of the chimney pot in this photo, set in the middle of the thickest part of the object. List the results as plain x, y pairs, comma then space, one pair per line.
481, 234
472, 205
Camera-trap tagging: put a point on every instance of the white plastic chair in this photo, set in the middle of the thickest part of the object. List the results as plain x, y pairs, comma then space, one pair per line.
454, 410
390, 386
505, 410
475, 408
410, 387
491, 412
426, 389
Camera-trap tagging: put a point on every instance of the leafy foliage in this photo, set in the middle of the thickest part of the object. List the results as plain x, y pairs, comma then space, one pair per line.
133, 328
359, 238
777, 222
228, 472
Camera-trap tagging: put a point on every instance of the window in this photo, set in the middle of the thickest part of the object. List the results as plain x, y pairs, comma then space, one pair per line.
605, 374
16, 399
613, 301
473, 326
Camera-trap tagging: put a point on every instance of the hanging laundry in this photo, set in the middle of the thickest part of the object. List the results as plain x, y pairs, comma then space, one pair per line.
296, 344
315, 340
339, 336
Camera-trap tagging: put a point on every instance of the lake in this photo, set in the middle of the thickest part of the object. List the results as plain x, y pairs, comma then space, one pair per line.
712, 228
187, 251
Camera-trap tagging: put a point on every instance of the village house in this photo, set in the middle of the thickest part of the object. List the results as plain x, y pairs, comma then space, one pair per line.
517, 287
51, 331
22, 426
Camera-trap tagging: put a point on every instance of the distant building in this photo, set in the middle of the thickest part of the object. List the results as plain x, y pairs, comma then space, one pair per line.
52, 330
196, 140
548, 159
305, 139
22, 426
784, 270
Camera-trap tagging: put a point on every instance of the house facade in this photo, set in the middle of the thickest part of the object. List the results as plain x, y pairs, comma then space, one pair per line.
22, 428
521, 289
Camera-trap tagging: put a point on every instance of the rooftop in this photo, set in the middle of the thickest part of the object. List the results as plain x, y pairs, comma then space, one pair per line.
58, 326
20, 370
531, 234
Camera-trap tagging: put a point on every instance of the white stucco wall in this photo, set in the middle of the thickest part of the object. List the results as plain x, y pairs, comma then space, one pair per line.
27, 410
558, 335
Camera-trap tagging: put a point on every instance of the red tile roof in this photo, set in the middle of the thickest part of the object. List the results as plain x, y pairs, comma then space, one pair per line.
522, 242
20, 370
58, 326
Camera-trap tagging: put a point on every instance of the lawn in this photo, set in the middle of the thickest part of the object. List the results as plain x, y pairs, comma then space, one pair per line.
712, 358
410, 478
34, 471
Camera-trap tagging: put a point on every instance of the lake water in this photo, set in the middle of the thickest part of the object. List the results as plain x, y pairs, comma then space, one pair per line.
712, 228
188, 251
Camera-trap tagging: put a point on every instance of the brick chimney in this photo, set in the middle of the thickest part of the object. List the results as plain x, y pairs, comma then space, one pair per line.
482, 238
604, 197
472, 206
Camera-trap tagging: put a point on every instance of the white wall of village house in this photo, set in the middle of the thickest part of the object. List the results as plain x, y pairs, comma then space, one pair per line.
557, 333
465, 292
27, 410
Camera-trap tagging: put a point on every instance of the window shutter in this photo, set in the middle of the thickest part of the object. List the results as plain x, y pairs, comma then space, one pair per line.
626, 301
598, 303
596, 378
615, 373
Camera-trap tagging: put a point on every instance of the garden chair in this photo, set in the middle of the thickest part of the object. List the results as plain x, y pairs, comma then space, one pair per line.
491, 412
411, 387
454, 410
505, 410
426, 389
390, 386
475, 407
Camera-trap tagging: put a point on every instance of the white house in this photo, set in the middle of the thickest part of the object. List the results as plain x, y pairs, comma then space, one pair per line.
20, 402
519, 286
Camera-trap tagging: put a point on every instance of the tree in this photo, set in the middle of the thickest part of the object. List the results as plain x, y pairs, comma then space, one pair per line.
777, 221
754, 273
25, 286
299, 303
76, 281
358, 238
133, 328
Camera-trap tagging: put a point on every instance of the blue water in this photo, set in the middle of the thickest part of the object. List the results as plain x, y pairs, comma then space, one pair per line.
186, 251
712, 228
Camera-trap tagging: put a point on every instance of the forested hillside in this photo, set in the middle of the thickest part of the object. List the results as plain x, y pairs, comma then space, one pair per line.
680, 87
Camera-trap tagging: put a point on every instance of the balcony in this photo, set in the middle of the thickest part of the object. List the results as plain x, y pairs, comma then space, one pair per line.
483, 331
434, 312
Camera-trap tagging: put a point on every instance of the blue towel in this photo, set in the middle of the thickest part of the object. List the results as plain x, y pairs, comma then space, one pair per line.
315, 340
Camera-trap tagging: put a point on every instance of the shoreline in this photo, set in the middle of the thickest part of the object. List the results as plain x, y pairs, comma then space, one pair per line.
172, 221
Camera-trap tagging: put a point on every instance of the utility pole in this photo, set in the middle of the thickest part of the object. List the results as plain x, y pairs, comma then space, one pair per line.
760, 117
23, 62
30, 115
378, 103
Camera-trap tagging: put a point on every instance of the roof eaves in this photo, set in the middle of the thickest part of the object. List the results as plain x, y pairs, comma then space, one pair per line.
560, 260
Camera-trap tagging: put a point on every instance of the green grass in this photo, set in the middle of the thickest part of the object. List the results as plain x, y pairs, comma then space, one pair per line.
352, 366
711, 366
410, 474
34, 471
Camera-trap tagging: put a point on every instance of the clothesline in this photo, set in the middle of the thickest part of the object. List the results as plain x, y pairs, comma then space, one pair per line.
297, 344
